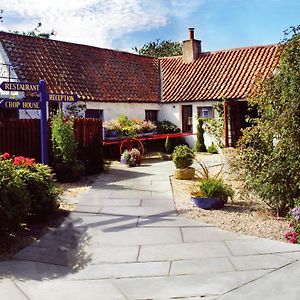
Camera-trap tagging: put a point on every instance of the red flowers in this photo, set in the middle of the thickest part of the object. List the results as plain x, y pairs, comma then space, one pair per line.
25, 161
5, 155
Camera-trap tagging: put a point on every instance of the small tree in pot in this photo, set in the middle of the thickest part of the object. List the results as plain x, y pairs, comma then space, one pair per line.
183, 158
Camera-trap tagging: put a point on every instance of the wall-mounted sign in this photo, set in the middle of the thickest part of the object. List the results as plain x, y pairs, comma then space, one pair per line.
20, 86
17, 104
63, 98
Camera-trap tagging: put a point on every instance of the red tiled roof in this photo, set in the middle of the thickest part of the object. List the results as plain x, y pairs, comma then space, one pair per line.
91, 73
228, 73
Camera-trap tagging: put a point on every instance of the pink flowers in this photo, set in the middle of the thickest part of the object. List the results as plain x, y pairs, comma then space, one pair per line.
291, 236
5, 155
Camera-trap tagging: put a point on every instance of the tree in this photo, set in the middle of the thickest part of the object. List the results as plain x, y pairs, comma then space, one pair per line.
160, 48
200, 146
36, 32
270, 149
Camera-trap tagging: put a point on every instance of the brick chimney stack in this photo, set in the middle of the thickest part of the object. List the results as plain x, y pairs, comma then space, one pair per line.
191, 48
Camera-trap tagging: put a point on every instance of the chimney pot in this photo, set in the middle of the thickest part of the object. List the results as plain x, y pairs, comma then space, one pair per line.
191, 30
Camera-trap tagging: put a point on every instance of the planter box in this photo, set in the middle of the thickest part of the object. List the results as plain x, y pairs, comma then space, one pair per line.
184, 174
208, 203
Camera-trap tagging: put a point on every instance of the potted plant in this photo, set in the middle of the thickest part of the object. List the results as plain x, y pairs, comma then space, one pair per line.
131, 157
183, 158
212, 193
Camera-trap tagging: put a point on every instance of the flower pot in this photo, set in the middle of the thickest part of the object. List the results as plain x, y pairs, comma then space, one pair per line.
208, 203
184, 174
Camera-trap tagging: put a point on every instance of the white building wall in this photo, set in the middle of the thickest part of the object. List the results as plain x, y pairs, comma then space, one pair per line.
133, 110
173, 113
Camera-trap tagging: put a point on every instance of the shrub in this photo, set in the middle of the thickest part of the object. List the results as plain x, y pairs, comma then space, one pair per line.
27, 189
39, 180
212, 149
293, 235
200, 146
168, 146
214, 188
14, 197
166, 126
183, 157
64, 145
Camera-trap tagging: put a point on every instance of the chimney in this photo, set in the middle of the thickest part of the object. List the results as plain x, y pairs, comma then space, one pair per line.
191, 48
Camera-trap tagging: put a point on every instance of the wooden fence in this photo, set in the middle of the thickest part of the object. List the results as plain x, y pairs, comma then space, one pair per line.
22, 137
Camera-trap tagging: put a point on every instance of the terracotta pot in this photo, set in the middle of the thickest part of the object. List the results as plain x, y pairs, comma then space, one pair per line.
208, 203
184, 174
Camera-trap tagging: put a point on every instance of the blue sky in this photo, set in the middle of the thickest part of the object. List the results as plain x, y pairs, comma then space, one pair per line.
123, 24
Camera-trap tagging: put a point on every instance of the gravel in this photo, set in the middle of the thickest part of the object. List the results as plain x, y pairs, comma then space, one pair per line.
245, 214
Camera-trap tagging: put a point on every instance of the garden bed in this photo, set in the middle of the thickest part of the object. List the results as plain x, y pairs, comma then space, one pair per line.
245, 215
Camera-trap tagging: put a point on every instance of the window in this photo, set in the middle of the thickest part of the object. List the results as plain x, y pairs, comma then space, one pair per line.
94, 113
151, 115
205, 112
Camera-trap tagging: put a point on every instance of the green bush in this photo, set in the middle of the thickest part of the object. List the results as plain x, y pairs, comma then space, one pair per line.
27, 190
214, 188
183, 157
212, 149
14, 198
64, 145
168, 146
166, 126
270, 149
39, 181
200, 146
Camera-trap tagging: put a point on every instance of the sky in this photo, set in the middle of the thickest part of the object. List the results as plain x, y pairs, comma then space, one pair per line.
124, 24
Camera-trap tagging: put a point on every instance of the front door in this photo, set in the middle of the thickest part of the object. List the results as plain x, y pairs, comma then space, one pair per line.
187, 118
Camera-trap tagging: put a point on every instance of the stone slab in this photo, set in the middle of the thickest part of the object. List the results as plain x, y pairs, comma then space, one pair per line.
122, 270
259, 246
201, 265
183, 251
164, 203
120, 202
28, 270
75, 290
130, 194
113, 254
202, 234
138, 211
170, 221
136, 236
278, 285
259, 262
91, 209
185, 285
10, 291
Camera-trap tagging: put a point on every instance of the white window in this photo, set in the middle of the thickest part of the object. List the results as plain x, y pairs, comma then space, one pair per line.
205, 112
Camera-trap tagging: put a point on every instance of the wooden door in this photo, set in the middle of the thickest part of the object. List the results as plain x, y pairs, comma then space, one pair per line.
187, 118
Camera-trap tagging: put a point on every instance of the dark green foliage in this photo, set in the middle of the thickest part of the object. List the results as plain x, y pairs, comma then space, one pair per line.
26, 191
168, 146
212, 149
92, 156
14, 198
36, 32
183, 156
166, 126
200, 146
64, 145
39, 180
270, 150
160, 48
217, 188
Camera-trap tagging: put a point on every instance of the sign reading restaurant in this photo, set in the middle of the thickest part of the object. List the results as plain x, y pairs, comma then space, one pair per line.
20, 86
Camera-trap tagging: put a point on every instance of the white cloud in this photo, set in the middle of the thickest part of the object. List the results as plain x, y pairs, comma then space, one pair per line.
92, 22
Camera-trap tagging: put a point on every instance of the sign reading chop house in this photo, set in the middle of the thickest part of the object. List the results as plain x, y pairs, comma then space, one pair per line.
15, 104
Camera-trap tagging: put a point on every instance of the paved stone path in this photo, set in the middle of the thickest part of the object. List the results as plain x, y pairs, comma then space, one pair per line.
125, 241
